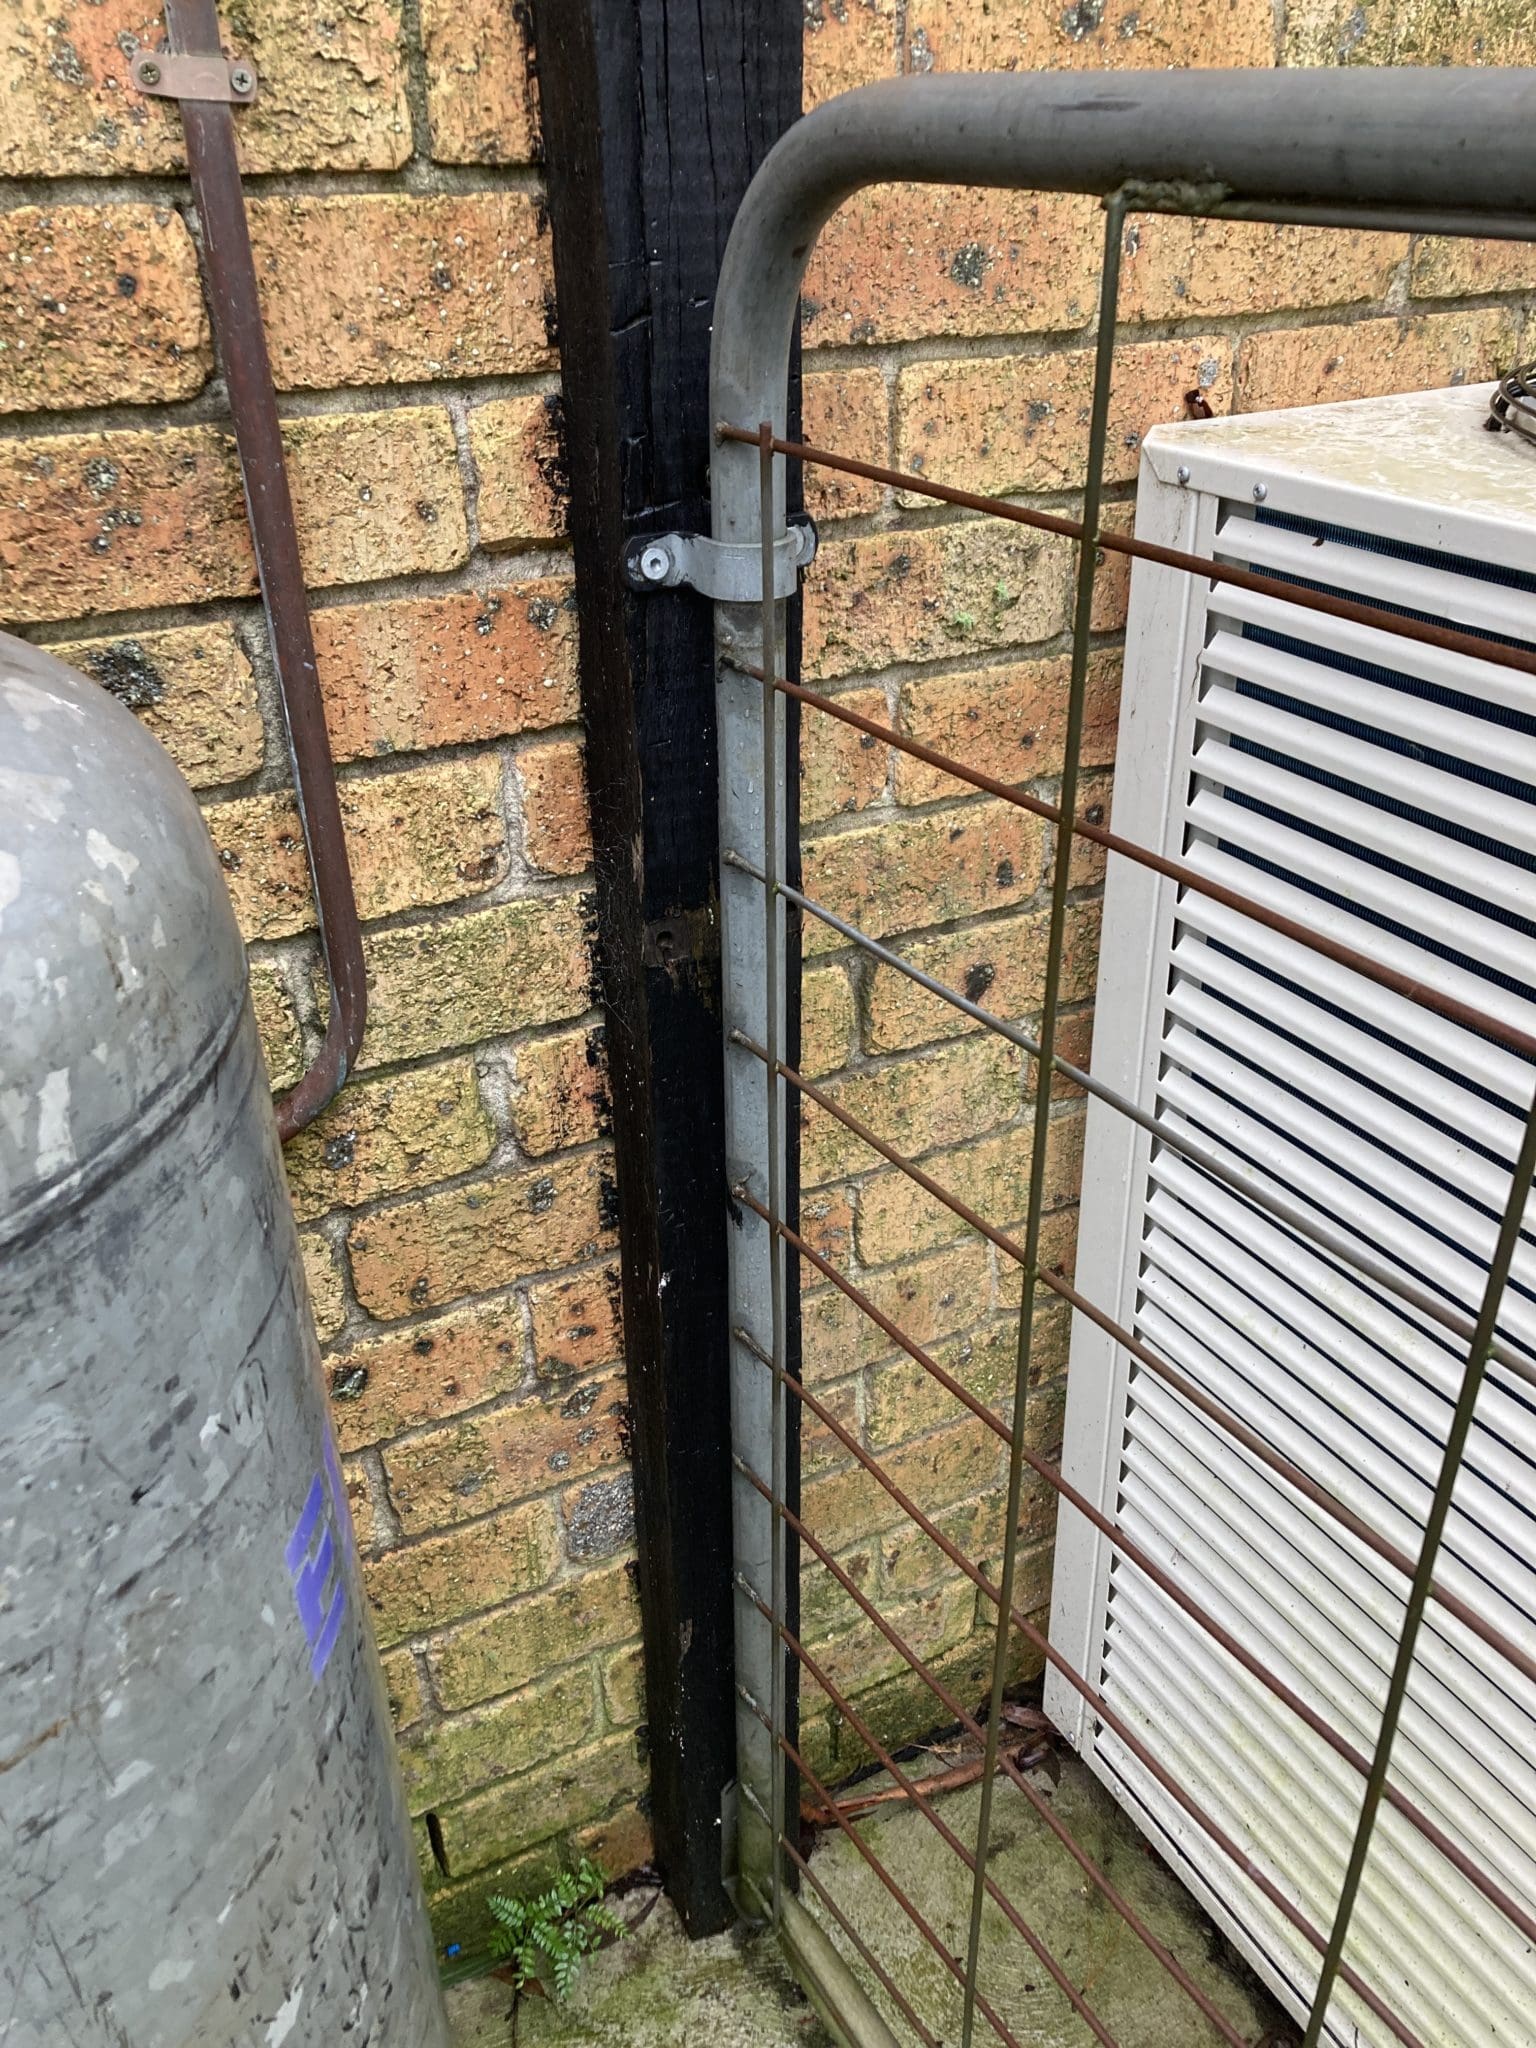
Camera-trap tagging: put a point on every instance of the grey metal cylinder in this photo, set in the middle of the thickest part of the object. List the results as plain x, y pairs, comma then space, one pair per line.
203, 1837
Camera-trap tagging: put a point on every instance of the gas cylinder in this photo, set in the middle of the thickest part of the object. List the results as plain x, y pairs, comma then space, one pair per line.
203, 1834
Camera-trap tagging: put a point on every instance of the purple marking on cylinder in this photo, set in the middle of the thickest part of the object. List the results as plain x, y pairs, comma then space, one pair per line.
312, 1576
304, 1527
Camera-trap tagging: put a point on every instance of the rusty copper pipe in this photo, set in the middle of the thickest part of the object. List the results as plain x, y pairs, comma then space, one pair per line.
946, 1833
1113, 1721
1131, 1550
913, 1913
1010, 1769
1420, 992
1187, 1389
1447, 637
235, 308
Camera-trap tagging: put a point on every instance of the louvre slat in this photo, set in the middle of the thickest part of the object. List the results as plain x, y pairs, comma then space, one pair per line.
1382, 792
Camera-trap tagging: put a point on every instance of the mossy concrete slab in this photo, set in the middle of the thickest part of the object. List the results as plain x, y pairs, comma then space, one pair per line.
656, 1990
659, 1991
1125, 1985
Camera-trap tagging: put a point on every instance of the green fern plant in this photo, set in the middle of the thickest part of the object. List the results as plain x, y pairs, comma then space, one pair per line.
546, 1937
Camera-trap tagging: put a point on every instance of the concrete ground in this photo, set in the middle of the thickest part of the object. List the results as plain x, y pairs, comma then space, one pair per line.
658, 1991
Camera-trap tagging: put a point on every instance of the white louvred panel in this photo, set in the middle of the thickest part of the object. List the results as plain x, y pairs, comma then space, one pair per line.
1382, 792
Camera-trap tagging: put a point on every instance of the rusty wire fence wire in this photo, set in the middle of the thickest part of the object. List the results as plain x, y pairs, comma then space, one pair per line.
771, 1205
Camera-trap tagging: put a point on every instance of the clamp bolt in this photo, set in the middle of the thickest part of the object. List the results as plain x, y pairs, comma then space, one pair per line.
654, 564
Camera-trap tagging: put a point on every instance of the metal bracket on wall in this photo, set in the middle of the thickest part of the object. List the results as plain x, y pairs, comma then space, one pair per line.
208, 86
186, 75
730, 572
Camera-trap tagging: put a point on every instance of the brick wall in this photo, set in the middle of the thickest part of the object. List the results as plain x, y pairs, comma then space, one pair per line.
949, 332
455, 1203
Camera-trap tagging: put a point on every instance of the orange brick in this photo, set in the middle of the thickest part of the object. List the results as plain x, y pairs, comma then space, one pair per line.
848, 412
927, 1297
396, 288
847, 43
332, 89
1043, 35
99, 305
517, 445
1451, 267
388, 1384
134, 519
1007, 722
1020, 423
381, 1137
1370, 358
486, 1461
999, 964
956, 1093
576, 1323
940, 591
1112, 582
474, 976
481, 95
897, 1218
826, 1021
841, 768
560, 1094
424, 1585
484, 1235
277, 1022
428, 835
943, 1468
1407, 32
912, 872
322, 1280
423, 672
537, 1635
912, 262
195, 689
557, 829
1176, 268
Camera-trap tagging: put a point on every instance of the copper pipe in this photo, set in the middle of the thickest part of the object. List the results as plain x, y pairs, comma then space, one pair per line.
1449, 638
1131, 1550
950, 1962
235, 308
1118, 1726
1011, 1771
1420, 992
946, 1833
1187, 1389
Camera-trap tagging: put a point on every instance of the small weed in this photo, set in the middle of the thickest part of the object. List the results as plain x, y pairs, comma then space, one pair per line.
546, 1938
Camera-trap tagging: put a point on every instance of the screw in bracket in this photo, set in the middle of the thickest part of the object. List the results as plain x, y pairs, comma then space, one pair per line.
241, 78
149, 72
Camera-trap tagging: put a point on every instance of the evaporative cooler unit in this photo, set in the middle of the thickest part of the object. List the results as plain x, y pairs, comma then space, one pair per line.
1384, 792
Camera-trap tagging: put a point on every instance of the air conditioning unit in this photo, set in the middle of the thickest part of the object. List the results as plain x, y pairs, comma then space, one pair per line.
1382, 791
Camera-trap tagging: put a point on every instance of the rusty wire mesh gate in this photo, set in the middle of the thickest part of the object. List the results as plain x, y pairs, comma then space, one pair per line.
1436, 151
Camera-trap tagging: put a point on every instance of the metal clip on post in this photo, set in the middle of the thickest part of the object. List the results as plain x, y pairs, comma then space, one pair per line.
207, 86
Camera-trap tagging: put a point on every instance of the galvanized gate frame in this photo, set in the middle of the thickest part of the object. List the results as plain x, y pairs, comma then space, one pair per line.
1434, 150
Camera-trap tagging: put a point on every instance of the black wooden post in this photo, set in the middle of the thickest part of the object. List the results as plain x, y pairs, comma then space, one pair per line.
654, 118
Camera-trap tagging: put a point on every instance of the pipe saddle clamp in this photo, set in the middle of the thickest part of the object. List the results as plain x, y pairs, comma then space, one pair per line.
730, 572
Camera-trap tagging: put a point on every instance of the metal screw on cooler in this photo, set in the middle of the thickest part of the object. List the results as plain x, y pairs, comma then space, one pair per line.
1181, 474
1260, 493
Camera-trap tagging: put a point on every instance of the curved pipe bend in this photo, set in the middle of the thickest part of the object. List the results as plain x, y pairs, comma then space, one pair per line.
1425, 141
